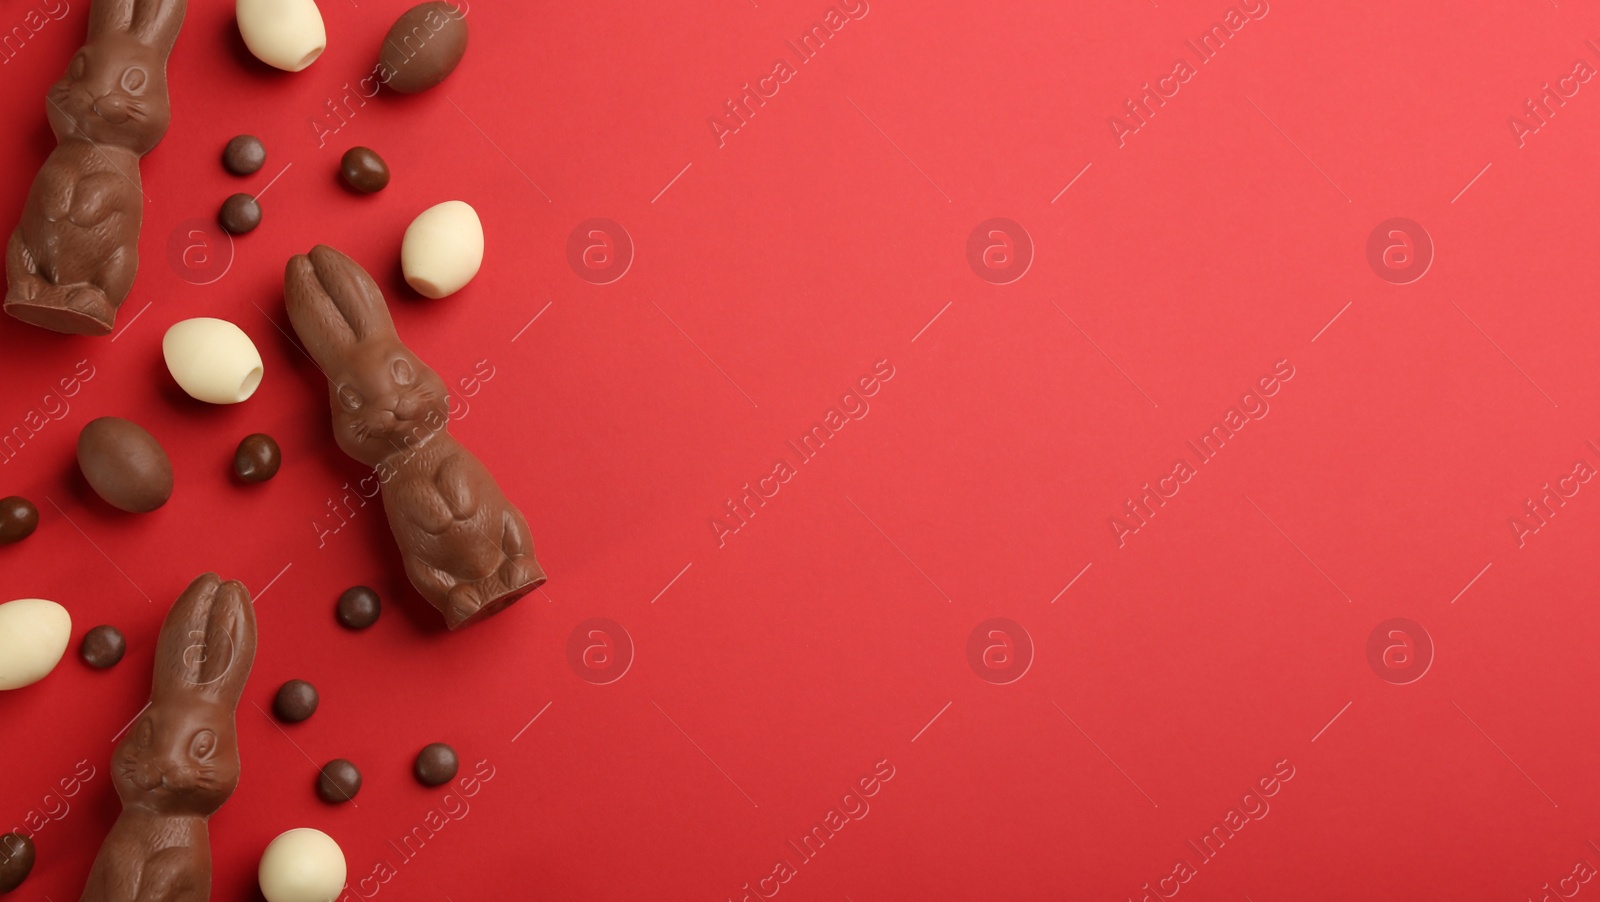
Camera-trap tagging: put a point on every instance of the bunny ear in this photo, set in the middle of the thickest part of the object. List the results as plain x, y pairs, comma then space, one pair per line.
334, 305
156, 22
110, 17
207, 644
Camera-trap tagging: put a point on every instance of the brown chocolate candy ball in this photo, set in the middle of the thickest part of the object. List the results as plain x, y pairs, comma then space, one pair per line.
257, 459
244, 155
239, 214
363, 170
16, 861
436, 765
358, 608
338, 782
124, 464
18, 519
296, 701
103, 647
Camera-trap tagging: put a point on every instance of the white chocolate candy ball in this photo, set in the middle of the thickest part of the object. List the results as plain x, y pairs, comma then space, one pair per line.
213, 360
302, 865
443, 249
33, 637
285, 34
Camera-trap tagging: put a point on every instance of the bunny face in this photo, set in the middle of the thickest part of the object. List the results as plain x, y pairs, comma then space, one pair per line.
178, 760
385, 401
114, 92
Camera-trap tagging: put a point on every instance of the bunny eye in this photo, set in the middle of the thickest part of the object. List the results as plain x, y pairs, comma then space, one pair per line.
350, 398
402, 371
134, 79
203, 745
80, 64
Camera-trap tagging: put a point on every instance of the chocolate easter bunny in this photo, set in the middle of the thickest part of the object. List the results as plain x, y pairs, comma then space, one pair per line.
466, 548
180, 759
72, 259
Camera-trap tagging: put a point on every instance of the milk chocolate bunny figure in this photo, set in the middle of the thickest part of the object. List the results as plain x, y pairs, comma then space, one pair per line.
71, 261
180, 760
466, 548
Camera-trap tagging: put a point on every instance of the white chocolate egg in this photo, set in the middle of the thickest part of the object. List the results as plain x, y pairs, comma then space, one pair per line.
33, 637
213, 360
443, 249
302, 865
284, 34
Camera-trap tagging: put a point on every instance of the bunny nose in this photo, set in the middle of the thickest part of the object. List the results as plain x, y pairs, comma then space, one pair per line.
406, 407
112, 108
143, 777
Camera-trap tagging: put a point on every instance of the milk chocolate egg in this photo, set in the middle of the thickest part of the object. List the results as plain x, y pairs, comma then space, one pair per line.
124, 464
423, 46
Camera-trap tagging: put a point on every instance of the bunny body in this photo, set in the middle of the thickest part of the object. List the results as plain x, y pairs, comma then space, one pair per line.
71, 261
180, 758
466, 548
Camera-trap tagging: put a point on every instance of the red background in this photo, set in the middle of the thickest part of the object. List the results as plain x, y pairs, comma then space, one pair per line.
830, 633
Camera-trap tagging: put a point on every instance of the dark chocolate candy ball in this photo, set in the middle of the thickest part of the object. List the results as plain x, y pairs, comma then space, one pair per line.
359, 608
339, 781
296, 701
239, 214
18, 519
436, 765
16, 861
244, 155
363, 170
257, 459
103, 647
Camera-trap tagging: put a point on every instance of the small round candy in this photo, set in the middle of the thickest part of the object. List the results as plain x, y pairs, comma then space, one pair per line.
302, 865
296, 701
239, 214
339, 781
257, 459
18, 519
16, 861
103, 647
363, 170
358, 608
436, 765
244, 155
